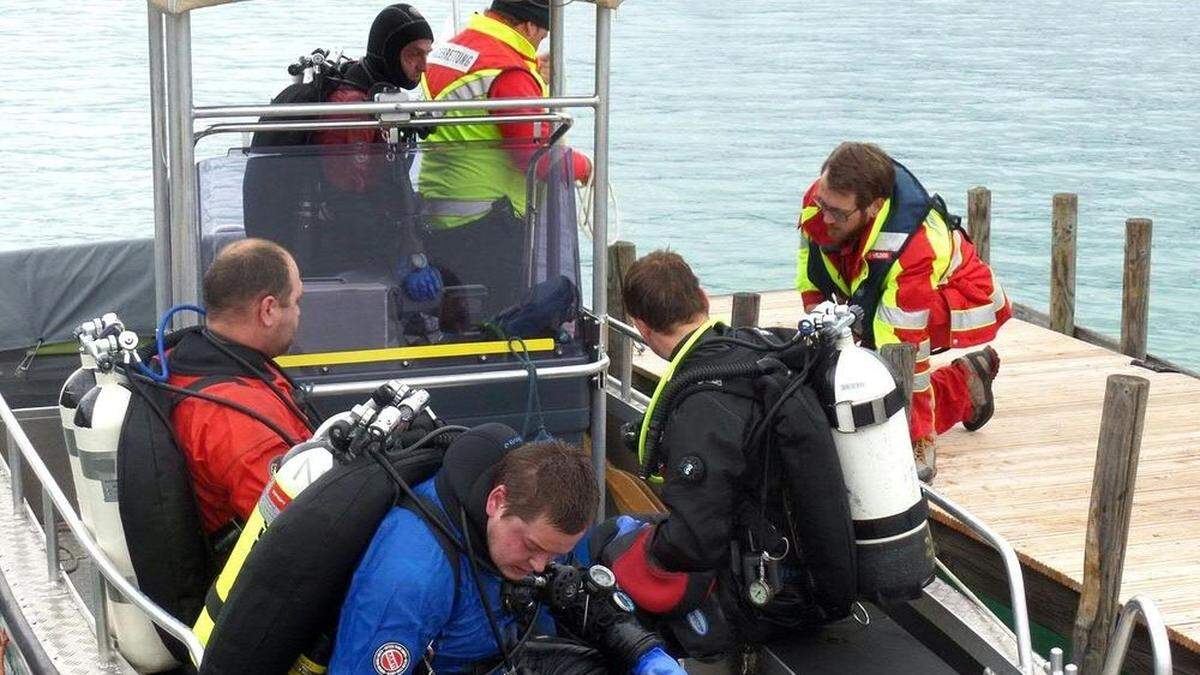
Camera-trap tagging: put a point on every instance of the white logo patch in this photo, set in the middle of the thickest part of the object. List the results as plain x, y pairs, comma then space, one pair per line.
456, 57
391, 659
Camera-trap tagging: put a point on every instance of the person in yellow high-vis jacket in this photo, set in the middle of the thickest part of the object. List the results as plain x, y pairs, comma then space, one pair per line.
474, 192
872, 235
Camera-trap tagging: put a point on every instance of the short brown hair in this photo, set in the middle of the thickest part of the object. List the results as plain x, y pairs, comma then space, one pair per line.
863, 169
552, 479
244, 272
661, 290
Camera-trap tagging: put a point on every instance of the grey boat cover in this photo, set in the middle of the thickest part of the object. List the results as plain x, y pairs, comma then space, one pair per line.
45, 293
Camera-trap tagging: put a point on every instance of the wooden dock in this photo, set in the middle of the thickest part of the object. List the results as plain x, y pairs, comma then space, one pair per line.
1028, 474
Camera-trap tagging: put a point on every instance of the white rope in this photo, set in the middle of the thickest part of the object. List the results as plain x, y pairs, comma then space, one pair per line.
584, 195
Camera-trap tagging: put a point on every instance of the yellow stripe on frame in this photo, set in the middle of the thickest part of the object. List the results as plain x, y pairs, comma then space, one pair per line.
411, 353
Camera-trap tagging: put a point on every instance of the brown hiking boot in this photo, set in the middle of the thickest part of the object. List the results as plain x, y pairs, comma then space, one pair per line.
925, 457
981, 367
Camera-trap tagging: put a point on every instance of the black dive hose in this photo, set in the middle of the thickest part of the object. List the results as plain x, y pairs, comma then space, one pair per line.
487, 606
693, 376
310, 417
250, 412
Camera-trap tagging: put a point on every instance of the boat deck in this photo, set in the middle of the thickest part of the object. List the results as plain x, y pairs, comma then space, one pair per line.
1028, 473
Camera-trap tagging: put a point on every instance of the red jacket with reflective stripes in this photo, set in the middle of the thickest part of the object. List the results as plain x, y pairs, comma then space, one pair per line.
937, 294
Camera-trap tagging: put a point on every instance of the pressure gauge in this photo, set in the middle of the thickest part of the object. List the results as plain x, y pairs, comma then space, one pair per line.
602, 576
759, 592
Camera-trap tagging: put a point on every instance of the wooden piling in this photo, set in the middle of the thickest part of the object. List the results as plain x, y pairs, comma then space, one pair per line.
1135, 296
901, 358
979, 221
745, 310
621, 255
1113, 480
1063, 221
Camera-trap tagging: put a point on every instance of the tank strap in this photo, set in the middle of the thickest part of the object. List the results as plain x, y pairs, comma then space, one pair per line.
847, 418
447, 546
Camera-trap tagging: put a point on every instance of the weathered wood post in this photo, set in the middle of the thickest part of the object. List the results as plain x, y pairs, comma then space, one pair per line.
1064, 226
1135, 297
621, 255
745, 310
979, 221
1108, 517
901, 358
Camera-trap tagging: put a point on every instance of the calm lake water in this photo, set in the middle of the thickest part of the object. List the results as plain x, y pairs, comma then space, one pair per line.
722, 114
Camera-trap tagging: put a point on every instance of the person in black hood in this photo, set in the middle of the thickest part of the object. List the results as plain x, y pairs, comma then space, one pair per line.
355, 199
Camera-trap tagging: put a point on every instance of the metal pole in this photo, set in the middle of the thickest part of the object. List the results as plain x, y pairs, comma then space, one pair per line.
373, 108
15, 473
185, 244
50, 527
158, 162
600, 239
558, 35
100, 594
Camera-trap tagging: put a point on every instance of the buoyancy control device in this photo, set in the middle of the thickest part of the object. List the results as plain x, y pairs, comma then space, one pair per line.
867, 412
273, 606
870, 538
98, 423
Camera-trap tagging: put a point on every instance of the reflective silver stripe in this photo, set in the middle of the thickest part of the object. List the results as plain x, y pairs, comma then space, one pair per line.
889, 241
968, 319
956, 258
923, 350
921, 381
902, 319
457, 207
98, 465
470, 91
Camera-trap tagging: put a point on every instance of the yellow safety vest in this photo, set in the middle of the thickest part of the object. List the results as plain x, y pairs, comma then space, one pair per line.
662, 385
458, 182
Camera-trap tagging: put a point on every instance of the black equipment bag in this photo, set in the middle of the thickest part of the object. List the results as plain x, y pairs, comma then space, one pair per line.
799, 446
173, 559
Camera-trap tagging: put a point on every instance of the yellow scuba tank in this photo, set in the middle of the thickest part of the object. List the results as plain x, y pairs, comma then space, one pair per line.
391, 408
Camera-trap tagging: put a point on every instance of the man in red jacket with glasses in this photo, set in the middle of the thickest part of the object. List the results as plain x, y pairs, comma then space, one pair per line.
872, 236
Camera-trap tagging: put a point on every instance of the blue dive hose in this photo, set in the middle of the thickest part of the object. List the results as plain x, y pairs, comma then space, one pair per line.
158, 336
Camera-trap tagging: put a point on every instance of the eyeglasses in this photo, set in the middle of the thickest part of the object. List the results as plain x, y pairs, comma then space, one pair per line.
838, 215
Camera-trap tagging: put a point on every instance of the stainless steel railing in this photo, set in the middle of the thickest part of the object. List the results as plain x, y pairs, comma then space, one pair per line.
1160, 645
1012, 570
55, 502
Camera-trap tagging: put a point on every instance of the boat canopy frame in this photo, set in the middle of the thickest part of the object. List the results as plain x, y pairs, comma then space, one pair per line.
174, 115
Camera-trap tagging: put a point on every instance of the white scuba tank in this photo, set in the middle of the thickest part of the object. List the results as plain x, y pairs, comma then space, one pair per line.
892, 539
73, 390
98, 421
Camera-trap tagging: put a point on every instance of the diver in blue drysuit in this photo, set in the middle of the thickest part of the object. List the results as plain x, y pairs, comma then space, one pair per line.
406, 603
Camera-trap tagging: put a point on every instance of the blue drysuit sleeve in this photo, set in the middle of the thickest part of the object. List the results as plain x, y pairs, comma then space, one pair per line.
400, 598
657, 662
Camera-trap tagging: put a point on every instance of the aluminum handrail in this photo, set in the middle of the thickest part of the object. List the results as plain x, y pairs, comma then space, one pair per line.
626, 330
1012, 569
106, 567
375, 108
436, 381
236, 127
1160, 645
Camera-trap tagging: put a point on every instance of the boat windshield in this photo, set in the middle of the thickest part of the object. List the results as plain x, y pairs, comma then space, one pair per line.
411, 244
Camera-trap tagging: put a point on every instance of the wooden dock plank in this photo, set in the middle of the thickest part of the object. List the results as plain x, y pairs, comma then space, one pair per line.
1028, 473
